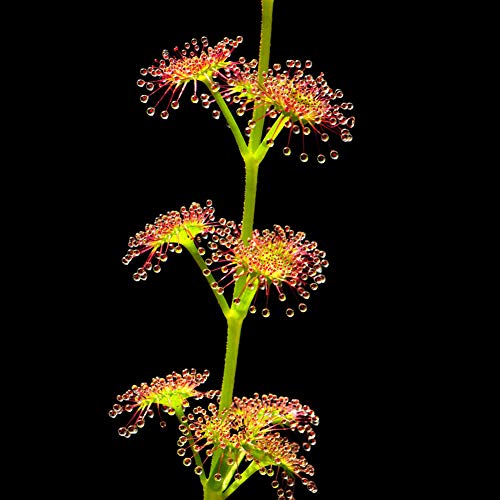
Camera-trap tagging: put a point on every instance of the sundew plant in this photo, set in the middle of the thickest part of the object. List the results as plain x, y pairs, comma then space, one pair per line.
268, 107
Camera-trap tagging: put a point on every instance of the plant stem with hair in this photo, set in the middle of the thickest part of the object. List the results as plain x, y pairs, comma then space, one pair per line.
237, 313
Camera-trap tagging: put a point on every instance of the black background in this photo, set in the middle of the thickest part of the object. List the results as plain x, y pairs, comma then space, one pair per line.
124, 168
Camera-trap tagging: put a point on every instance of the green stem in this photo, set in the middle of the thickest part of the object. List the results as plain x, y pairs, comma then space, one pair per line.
237, 312
209, 494
251, 469
264, 54
191, 247
230, 473
251, 176
234, 323
240, 140
251, 173
263, 148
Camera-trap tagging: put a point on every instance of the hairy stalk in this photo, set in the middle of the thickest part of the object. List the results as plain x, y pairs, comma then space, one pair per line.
191, 247
264, 55
213, 490
209, 494
234, 322
252, 162
251, 173
236, 314
277, 127
251, 469
240, 140
233, 469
